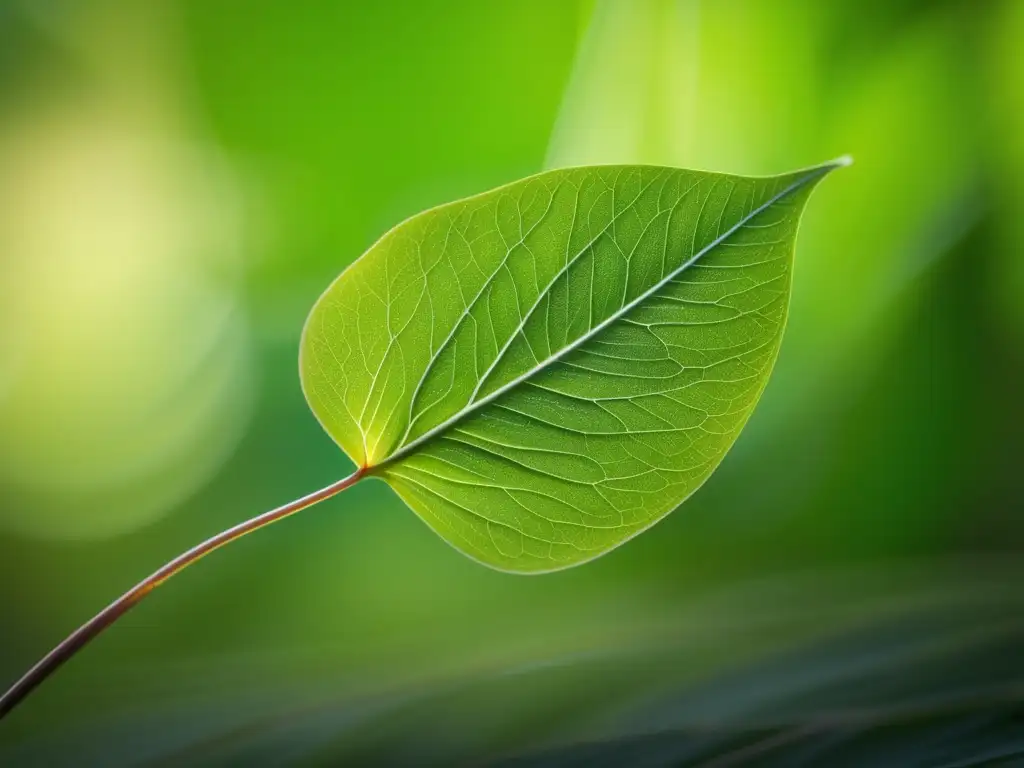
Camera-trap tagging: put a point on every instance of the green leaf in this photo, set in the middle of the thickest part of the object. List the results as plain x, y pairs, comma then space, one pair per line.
544, 370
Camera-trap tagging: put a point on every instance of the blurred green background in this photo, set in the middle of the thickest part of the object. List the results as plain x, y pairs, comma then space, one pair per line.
180, 179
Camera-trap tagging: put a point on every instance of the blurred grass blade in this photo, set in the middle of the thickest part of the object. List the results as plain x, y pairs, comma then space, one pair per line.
1006, 96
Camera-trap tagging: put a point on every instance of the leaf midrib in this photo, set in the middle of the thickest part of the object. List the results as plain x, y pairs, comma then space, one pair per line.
811, 175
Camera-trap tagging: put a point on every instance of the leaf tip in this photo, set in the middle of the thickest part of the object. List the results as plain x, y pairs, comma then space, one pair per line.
841, 162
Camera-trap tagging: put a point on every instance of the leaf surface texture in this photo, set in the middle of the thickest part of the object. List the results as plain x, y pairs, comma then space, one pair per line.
544, 370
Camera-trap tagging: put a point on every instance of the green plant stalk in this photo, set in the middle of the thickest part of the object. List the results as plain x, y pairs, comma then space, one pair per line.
78, 639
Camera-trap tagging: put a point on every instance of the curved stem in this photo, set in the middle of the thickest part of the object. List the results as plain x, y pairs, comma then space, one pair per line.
78, 639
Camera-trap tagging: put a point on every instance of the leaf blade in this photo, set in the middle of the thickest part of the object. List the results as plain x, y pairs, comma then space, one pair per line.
545, 370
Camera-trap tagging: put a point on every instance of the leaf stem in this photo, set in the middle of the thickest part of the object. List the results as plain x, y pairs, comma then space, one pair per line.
81, 636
